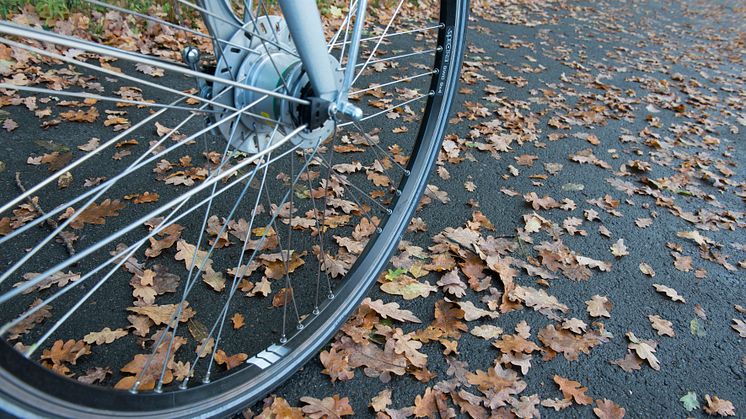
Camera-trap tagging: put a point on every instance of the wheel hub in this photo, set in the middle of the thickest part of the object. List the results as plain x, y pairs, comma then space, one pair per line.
270, 66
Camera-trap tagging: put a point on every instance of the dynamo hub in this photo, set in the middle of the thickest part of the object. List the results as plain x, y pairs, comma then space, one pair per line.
271, 66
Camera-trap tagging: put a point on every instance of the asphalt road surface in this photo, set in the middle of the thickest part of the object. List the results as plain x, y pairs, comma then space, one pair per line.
635, 112
564, 58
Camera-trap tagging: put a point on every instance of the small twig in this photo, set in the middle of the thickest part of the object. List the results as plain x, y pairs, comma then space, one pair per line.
52, 223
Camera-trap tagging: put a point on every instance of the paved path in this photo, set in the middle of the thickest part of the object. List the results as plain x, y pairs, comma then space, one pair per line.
656, 91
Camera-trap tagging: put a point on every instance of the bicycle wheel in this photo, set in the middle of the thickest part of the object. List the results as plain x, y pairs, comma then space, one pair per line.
257, 236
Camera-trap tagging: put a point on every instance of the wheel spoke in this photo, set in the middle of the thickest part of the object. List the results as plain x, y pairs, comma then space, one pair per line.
86, 95
391, 83
129, 228
390, 35
240, 275
396, 57
113, 73
257, 168
380, 39
389, 109
237, 27
43, 36
169, 24
192, 276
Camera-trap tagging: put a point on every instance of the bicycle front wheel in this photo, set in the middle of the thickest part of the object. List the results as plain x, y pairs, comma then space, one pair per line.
184, 270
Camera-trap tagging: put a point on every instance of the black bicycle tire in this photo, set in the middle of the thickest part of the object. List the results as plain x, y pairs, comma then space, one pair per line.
29, 390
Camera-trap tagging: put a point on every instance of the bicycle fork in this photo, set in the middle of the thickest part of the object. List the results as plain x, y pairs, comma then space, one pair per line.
304, 23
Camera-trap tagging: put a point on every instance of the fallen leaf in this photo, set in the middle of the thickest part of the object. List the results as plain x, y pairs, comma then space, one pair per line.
618, 249
162, 314
238, 321
280, 409
486, 331
452, 284
607, 409
192, 257
380, 401
95, 375
690, 402
662, 326
390, 310
214, 280
599, 306
94, 214
572, 390
717, 406
329, 407
647, 269
283, 297
230, 361
408, 287
10, 125
644, 350
740, 327
669, 292
104, 336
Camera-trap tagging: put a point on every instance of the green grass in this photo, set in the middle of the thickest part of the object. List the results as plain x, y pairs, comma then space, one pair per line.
51, 10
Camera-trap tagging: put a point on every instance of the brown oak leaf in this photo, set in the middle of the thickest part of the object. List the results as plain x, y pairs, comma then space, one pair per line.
599, 306
329, 407
572, 390
717, 406
390, 310
607, 409
221, 358
104, 336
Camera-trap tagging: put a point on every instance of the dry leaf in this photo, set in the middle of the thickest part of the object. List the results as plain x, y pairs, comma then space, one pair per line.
390, 310
647, 269
572, 390
669, 292
104, 336
718, 406
644, 349
162, 314
238, 321
618, 249
230, 361
330, 407
599, 306
607, 409
662, 326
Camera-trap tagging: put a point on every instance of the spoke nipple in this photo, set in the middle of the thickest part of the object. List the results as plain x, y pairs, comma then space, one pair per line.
316, 311
206, 380
407, 173
379, 230
300, 326
440, 48
436, 70
398, 192
184, 384
431, 93
388, 211
442, 25
283, 340
158, 389
133, 389
330, 296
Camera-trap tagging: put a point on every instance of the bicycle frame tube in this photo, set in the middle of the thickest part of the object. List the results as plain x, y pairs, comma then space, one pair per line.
220, 13
304, 22
357, 33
